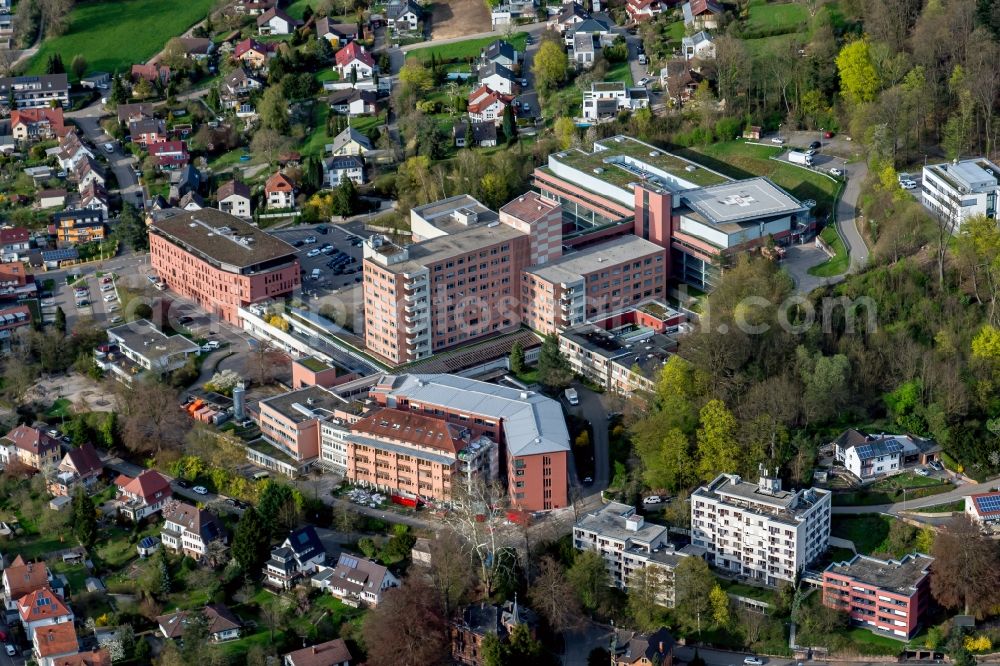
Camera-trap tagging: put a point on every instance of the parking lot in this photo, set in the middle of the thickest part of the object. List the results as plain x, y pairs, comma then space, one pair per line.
333, 257
93, 295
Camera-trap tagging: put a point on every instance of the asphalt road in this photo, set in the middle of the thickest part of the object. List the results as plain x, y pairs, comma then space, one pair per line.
122, 164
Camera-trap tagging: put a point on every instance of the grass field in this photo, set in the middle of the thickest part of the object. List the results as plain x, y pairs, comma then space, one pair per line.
869, 531
620, 72
956, 506
460, 51
738, 159
59, 409
114, 35
771, 17
839, 262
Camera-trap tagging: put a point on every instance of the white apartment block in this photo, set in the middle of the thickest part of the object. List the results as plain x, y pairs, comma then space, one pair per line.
605, 99
759, 530
628, 543
956, 191
332, 446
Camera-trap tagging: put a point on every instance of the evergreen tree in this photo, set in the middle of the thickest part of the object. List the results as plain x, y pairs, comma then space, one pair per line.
251, 542
470, 137
345, 198
509, 126
84, 518
60, 321
554, 370
165, 582
132, 230
354, 75
517, 358
55, 65
119, 95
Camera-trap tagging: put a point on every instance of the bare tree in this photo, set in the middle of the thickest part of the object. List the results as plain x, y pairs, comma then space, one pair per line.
264, 361
148, 421
478, 516
449, 574
418, 639
18, 377
553, 597
965, 573
7, 59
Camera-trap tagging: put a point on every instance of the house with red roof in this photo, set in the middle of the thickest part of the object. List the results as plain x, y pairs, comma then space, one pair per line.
643, 10
57, 641
487, 104
152, 72
168, 154
99, 657
142, 496
42, 608
254, 53
983, 508
30, 446
14, 243
702, 14
279, 191
21, 578
354, 57
37, 124
79, 467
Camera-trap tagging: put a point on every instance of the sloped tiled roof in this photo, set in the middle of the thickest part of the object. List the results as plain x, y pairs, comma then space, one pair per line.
279, 182
25, 577
324, 654
84, 460
352, 52
56, 639
42, 604
231, 187
146, 485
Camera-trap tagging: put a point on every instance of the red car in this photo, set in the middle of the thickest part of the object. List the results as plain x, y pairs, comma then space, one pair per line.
828, 135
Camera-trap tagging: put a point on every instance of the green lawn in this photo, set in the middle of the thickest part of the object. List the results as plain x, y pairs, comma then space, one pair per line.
59, 409
957, 506
770, 17
463, 50
620, 72
836, 264
738, 159
224, 160
869, 532
781, 44
880, 644
906, 480
76, 574
113, 35
749, 591
327, 74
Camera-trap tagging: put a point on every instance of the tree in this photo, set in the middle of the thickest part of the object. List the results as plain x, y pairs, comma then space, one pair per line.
213, 99
119, 94
517, 358
421, 639
720, 606
693, 584
665, 454
143, 89
509, 126
251, 542
478, 518
549, 66
55, 65
552, 595
84, 518
269, 143
859, 79
132, 230
145, 427
645, 587
18, 375
449, 574
589, 578
79, 66
345, 198
965, 574
274, 612
280, 508
273, 110
554, 371
718, 448
416, 76
565, 131
60, 320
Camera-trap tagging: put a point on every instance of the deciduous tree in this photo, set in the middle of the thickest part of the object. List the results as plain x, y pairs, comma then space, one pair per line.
420, 639
552, 595
965, 574
718, 448
589, 578
549, 66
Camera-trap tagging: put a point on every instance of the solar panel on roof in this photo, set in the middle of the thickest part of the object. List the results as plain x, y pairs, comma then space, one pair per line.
349, 561
988, 504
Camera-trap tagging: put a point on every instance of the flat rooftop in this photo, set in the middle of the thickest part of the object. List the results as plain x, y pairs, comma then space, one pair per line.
899, 576
742, 200
431, 251
572, 267
638, 152
145, 339
731, 489
529, 207
222, 238
611, 519
973, 175
312, 402
441, 214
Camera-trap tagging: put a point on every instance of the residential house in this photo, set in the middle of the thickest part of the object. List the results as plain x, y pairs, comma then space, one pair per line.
643, 10
42, 608
279, 192
52, 643
252, 7
497, 77
88, 171
223, 624
569, 15
702, 14
983, 508
605, 99
509, 12
197, 48
883, 596
404, 15
358, 580
699, 46
598, 31
276, 22
253, 53
191, 201
78, 226
37, 124
234, 198
330, 653
338, 34
127, 113
94, 197
189, 530
353, 102
187, 179
145, 131
141, 347
71, 151
679, 81
338, 168
483, 134
36, 91
486, 104
12, 317
16, 282
240, 83
30, 446
98, 657
154, 73
501, 52
142, 496
872, 455
97, 80
955, 191
353, 57
630, 648
21, 578
297, 556
477, 621
51, 198
14, 243
583, 52
168, 154
80, 467
351, 142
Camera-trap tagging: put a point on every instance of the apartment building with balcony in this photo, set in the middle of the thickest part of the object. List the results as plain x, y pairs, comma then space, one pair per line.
759, 530
593, 282
221, 262
627, 544
529, 427
416, 455
35, 92
884, 596
443, 291
958, 190
290, 426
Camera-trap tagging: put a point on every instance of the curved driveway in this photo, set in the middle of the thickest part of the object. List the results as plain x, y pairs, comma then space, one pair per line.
847, 216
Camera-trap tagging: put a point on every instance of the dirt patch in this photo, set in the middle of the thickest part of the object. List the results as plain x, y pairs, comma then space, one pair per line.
83, 392
457, 18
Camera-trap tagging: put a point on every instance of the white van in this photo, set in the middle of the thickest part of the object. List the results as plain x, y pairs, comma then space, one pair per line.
260, 476
572, 397
316, 273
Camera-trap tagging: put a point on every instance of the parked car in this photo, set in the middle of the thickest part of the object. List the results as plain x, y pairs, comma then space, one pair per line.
921, 471
9, 649
322, 228
109, 148
572, 397
652, 499
778, 140
117, 320
936, 464
908, 184
753, 661
811, 152
836, 172
107, 279
587, 480
109, 298
313, 253
644, 80
201, 490
310, 240
181, 483
815, 145
107, 287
